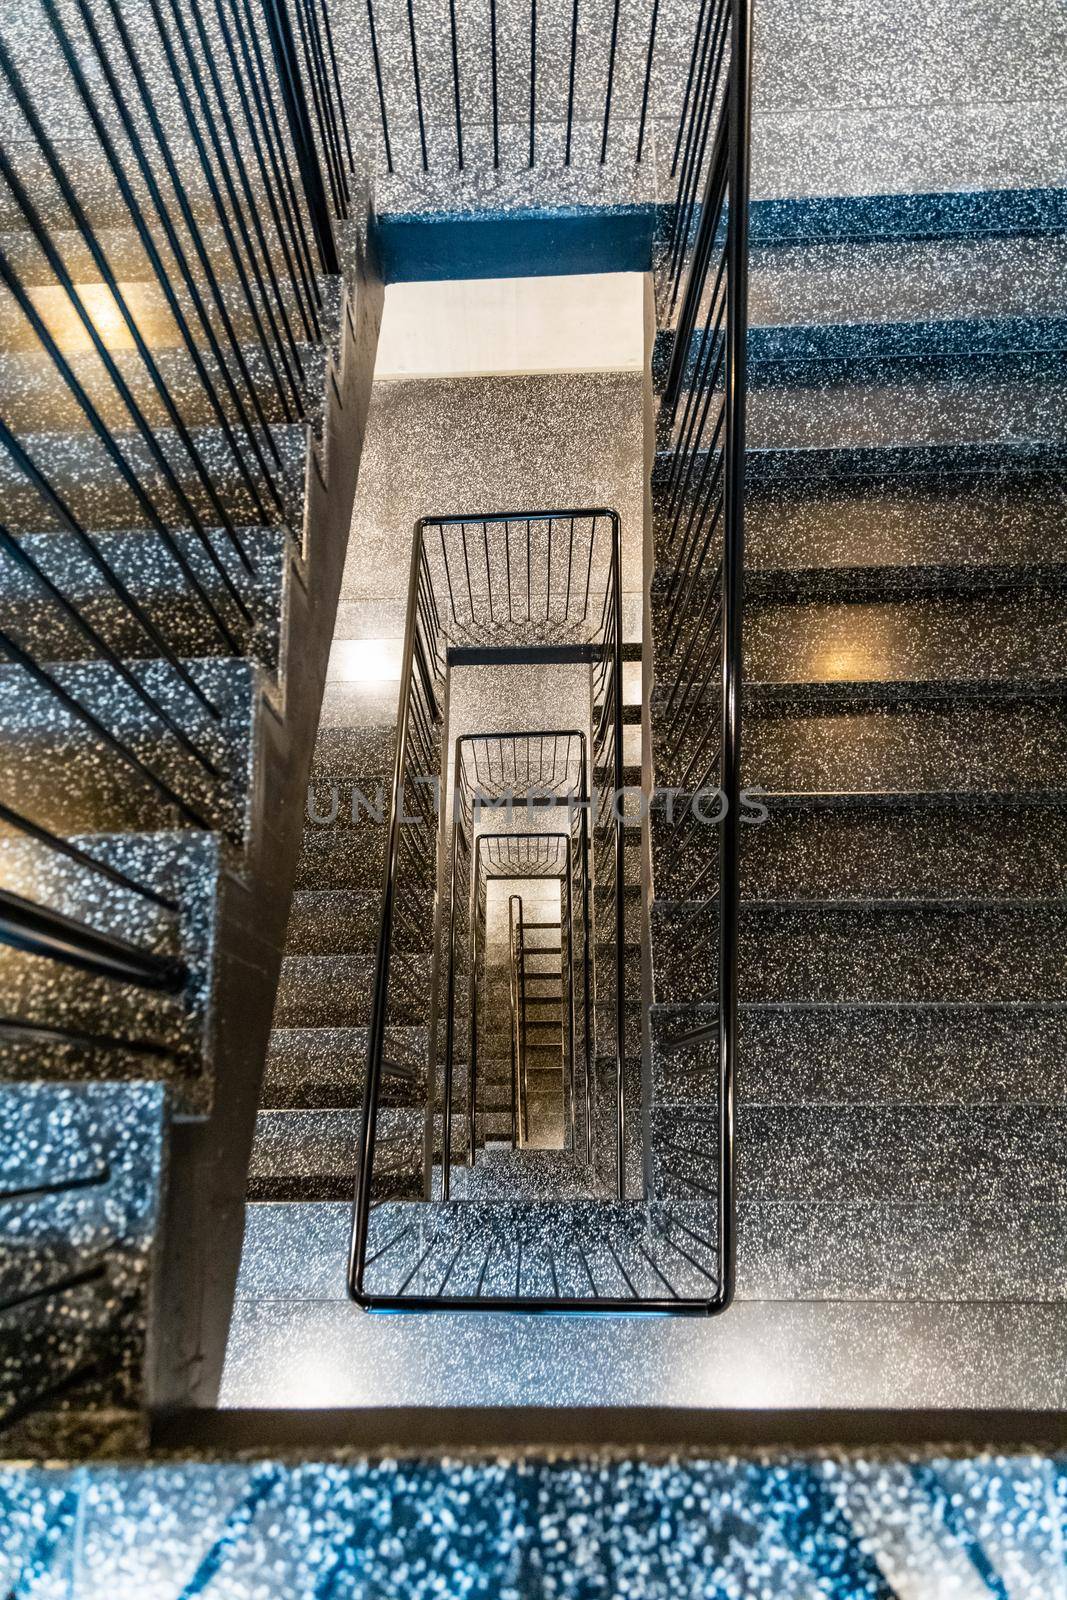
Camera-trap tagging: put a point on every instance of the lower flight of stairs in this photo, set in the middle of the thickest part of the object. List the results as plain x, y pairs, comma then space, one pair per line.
307, 1129
901, 1089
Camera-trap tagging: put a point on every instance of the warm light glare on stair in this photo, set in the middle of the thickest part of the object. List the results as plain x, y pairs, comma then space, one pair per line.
67, 329
365, 661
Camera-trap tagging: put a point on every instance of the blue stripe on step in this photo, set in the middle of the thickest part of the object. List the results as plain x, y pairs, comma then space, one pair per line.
508, 244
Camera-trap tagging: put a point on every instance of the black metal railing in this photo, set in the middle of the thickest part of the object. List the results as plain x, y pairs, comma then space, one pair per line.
528, 587
520, 1119
521, 856
526, 773
168, 241
520, 86
702, 292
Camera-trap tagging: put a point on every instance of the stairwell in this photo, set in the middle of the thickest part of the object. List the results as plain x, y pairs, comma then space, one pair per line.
198, 985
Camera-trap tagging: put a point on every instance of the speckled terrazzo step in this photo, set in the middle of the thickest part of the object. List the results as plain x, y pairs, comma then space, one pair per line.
550, 1249
929, 398
524, 1175
340, 858
325, 1068
140, 561
826, 1054
888, 532
68, 782
991, 746
34, 400
64, 1024
879, 847
311, 1154
81, 471
830, 1249
335, 991
852, 280
893, 951
80, 1172
332, 922
973, 1155
1018, 638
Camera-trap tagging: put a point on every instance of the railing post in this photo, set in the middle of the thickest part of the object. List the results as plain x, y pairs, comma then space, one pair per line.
294, 99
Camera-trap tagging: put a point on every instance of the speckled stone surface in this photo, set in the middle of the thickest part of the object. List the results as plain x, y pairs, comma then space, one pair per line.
138, 559
84, 475
70, 782
772, 1527
81, 1170
86, 1019
901, 983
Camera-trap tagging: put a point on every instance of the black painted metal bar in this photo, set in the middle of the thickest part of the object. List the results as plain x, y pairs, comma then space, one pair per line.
609, 91
376, 56
533, 81
570, 81
417, 79
457, 100
648, 80
40, 931
298, 117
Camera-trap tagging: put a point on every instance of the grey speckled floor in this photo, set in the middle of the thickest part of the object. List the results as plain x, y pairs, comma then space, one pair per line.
320, 1350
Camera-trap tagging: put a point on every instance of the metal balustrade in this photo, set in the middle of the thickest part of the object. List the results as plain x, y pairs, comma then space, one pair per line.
168, 237
698, 491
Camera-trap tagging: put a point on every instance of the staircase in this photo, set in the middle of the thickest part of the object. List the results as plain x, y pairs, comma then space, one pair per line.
181, 407
901, 938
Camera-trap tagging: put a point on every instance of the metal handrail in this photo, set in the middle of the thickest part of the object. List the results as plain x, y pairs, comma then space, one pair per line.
472, 597
702, 493
547, 859
520, 1132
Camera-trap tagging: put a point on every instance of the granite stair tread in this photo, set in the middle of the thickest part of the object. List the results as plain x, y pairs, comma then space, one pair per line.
69, 784
843, 951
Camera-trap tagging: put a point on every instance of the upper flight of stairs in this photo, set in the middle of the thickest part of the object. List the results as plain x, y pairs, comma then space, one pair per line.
126, 1113
903, 989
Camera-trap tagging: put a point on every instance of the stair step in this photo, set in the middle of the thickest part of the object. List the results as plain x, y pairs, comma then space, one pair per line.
38, 401
924, 400
947, 1252
826, 1054
545, 1248
335, 991
82, 1173
891, 533
63, 1024
1013, 638
865, 280
83, 474
67, 782
332, 922
880, 846
864, 952
341, 858
996, 745
140, 561
311, 1155
323, 1068
978, 1156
